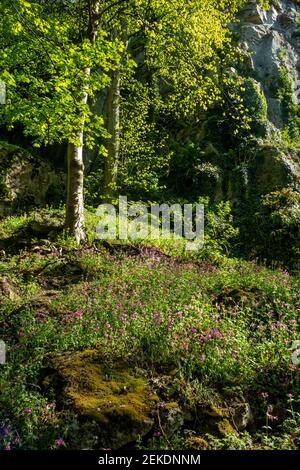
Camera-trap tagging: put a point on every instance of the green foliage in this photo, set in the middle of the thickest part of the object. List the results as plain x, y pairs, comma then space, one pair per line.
291, 109
220, 328
219, 228
47, 58
276, 228
255, 100
203, 329
193, 34
184, 45
44, 67
144, 151
220, 233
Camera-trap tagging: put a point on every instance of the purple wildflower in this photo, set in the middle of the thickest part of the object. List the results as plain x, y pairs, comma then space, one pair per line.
203, 339
69, 317
5, 430
157, 318
51, 406
134, 316
60, 442
41, 317
170, 323
215, 333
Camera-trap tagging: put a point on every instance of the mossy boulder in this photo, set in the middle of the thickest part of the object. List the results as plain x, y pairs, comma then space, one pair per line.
170, 417
119, 403
242, 416
274, 167
44, 224
216, 421
25, 180
267, 167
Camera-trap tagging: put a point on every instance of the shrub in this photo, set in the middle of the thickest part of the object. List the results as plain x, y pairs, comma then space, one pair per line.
277, 228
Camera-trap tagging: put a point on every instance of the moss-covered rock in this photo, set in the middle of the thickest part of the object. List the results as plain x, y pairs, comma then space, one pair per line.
45, 224
197, 443
274, 168
242, 416
118, 402
216, 421
170, 417
25, 181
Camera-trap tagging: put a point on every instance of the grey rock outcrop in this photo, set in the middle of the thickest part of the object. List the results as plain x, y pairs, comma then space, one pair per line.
25, 181
271, 40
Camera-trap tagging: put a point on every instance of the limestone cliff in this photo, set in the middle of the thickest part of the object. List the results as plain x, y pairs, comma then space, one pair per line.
271, 39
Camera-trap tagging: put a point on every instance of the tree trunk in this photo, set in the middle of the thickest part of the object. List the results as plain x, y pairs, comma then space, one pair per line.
74, 221
113, 104
113, 126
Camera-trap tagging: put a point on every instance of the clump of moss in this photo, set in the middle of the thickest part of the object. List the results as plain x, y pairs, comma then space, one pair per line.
216, 421
217, 412
224, 427
197, 443
117, 400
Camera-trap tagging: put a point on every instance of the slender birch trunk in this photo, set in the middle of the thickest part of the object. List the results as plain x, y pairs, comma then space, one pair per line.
74, 221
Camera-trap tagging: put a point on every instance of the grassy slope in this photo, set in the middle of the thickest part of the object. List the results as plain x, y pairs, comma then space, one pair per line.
221, 328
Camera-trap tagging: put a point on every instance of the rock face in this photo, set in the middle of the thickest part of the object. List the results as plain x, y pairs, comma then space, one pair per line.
272, 167
267, 158
116, 402
271, 39
270, 42
25, 181
275, 167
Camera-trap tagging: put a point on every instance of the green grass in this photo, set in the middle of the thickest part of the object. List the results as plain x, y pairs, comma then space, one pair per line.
221, 328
